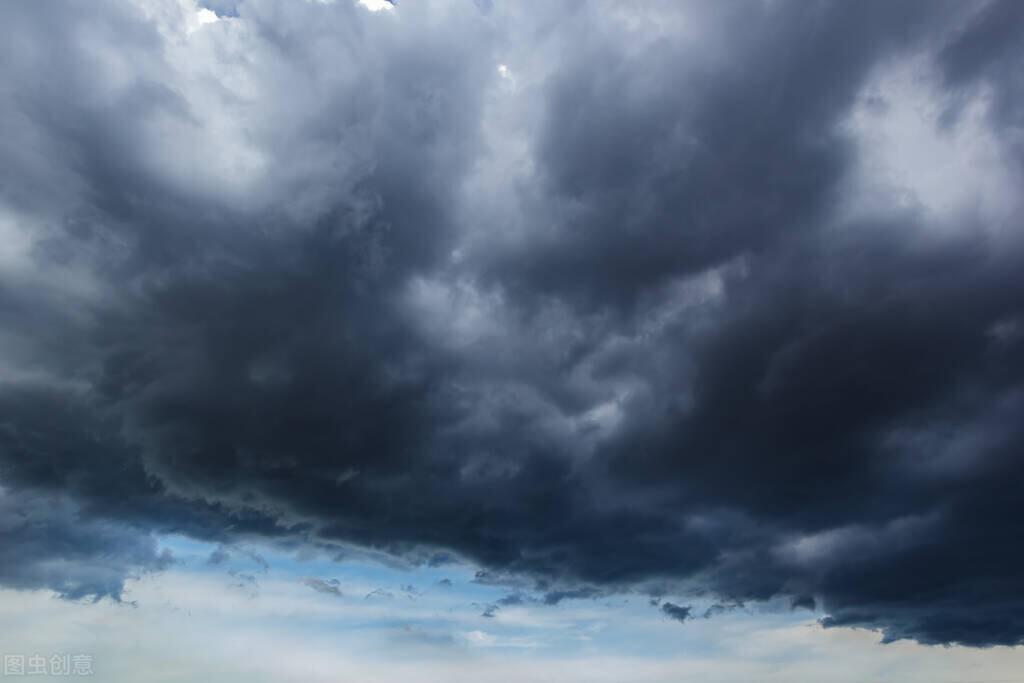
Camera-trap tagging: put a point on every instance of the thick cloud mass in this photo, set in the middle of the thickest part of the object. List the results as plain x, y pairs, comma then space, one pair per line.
726, 298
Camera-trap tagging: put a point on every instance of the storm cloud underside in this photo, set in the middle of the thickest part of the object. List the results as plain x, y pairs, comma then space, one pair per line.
599, 297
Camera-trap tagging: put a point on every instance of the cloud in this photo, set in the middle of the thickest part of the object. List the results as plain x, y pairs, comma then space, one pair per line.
555, 597
218, 556
677, 612
51, 543
327, 587
515, 600
323, 276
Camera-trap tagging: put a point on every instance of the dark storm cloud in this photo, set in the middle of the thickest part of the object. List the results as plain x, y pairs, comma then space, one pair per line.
50, 542
677, 612
597, 298
585, 593
674, 158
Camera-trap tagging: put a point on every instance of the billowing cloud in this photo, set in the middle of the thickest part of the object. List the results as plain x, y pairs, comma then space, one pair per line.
49, 543
725, 298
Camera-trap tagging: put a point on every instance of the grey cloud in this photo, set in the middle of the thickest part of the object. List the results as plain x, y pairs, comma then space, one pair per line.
677, 612
514, 599
51, 543
616, 316
723, 608
218, 556
328, 586
583, 593
804, 602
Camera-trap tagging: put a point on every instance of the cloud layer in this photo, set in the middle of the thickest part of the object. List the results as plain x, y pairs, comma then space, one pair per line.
723, 298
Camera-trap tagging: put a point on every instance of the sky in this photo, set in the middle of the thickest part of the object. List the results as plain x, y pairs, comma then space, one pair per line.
451, 340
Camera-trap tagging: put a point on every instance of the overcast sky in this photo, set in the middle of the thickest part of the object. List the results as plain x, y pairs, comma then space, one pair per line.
488, 340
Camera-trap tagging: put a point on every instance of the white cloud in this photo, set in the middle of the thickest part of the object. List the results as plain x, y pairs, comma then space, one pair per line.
377, 5
920, 148
187, 625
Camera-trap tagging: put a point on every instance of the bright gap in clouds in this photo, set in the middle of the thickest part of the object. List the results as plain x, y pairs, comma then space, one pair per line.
206, 16
202, 17
251, 613
922, 148
376, 5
